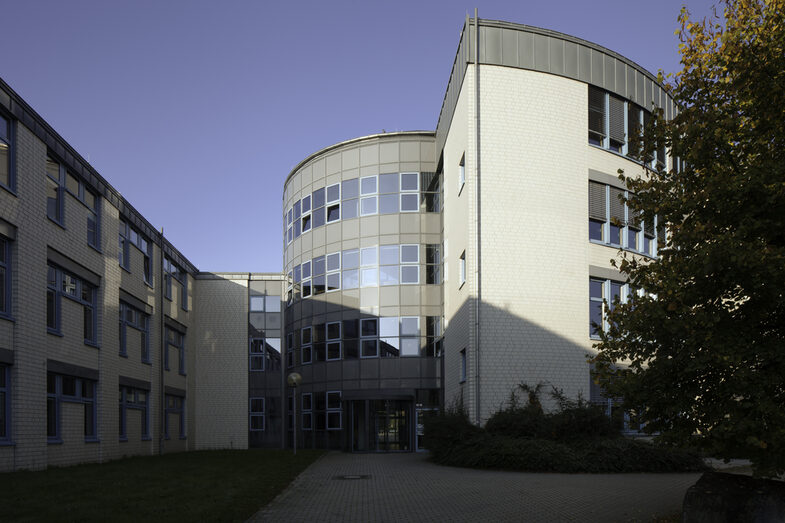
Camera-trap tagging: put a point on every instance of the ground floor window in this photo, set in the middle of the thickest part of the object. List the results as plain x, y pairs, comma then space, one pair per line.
5, 403
137, 401
66, 395
256, 413
175, 415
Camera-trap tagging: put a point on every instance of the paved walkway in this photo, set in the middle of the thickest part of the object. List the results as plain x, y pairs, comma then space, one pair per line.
407, 487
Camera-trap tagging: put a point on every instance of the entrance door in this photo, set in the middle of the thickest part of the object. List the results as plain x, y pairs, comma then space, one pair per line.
381, 425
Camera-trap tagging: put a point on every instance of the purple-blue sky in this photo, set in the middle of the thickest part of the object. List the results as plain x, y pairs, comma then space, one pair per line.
196, 111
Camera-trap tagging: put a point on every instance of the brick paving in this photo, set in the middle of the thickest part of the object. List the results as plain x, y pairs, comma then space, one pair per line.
407, 487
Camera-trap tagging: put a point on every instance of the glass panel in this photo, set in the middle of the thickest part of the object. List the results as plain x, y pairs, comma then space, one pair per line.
410, 181
272, 303
632, 239
350, 329
351, 259
388, 326
410, 253
410, 346
369, 277
306, 202
615, 237
334, 351
368, 205
334, 193
257, 303
318, 198
72, 184
296, 210
350, 349
368, 185
389, 347
388, 204
388, 275
334, 331
318, 265
410, 274
306, 288
350, 188
306, 335
349, 209
388, 183
595, 230
334, 281
69, 385
333, 213
410, 326
388, 255
306, 269
318, 284
52, 199
595, 317
333, 400
410, 202
53, 169
368, 256
351, 279
369, 327
333, 261
318, 217
369, 348
595, 288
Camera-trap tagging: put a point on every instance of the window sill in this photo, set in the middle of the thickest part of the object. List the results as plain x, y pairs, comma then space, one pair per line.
123, 439
10, 190
123, 355
147, 438
147, 362
7, 443
92, 344
95, 248
7, 317
54, 332
92, 440
59, 224
54, 441
183, 437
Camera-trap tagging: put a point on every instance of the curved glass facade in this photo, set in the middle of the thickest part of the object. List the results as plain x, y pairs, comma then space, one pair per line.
364, 303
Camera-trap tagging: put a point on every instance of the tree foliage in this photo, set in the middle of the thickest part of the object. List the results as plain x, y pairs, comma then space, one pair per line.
702, 355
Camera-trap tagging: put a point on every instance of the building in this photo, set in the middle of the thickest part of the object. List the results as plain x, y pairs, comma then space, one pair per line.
421, 269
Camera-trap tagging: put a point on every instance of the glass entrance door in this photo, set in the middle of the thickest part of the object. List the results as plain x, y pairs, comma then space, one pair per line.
381, 425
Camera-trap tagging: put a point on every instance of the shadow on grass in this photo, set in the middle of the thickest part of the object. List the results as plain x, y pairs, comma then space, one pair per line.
222, 485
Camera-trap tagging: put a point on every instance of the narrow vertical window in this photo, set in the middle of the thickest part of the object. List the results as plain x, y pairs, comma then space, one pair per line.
462, 269
463, 365
6, 154
5, 277
596, 116
54, 193
462, 172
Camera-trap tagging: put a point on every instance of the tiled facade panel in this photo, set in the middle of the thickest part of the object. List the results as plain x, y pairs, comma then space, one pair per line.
534, 240
73, 449
221, 333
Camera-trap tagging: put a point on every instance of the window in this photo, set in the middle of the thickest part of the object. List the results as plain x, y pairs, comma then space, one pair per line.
462, 269
368, 191
55, 174
172, 271
175, 413
138, 320
290, 350
333, 400
433, 264
306, 353
612, 222
61, 283
138, 402
410, 336
317, 213
79, 190
369, 331
175, 340
69, 389
334, 341
256, 413
333, 203
462, 173
410, 254
7, 153
463, 365
5, 403
5, 277
604, 293
306, 214
350, 190
256, 304
257, 357
307, 408
333, 271
129, 235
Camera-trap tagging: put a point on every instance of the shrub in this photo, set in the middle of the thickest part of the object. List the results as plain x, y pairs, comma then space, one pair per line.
445, 431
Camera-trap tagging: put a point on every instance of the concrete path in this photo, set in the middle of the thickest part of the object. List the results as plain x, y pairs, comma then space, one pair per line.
407, 487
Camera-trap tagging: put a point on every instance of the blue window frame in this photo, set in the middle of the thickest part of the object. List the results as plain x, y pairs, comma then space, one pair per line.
256, 357
5, 404
139, 400
175, 340
175, 407
307, 411
5, 277
256, 414
136, 319
55, 185
127, 236
7, 153
172, 271
62, 388
62, 283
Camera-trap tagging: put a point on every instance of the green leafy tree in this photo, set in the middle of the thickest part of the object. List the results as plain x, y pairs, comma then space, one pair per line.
701, 356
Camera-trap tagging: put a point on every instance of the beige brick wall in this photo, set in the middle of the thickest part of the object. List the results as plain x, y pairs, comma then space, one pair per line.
221, 332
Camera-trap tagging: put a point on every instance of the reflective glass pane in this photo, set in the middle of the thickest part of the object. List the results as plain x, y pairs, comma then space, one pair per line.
388, 183
388, 255
388, 204
410, 326
388, 275
349, 209
334, 193
369, 277
72, 184
368, 185
318, 265
595, 288
350, 189
351, 259
369, 348
306, 204
333, 213
272, 303
318, 198
318, 284
257, 303
368, 205
388, 327
368, 256
410, 346
334, 281
410, 274
389, 347
333, 261
351, 279
410, 202
410, 253
369, 327
317, 217
595, 230
410, 181
306, 269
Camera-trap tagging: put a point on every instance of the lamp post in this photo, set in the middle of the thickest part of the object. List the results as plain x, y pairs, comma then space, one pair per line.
294, 379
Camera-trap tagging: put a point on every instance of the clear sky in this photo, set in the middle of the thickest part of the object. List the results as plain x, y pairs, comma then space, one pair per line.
197, 111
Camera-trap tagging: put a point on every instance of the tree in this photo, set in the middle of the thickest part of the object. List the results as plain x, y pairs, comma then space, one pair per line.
701, 356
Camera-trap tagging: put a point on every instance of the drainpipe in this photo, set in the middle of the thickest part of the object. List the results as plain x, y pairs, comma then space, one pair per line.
162, 340
478, 259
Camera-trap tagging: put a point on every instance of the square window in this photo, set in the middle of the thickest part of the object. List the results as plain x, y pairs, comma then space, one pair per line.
318, 198
333, 281
319, 284
368, 206
351, 279
410, 254
257, 303
370, 349
388, 204
306, 204
388, 327
333, 213
368, 185
388, 275
306, 269
272, 304
318, 265
369, 277
350, 189
388, 255
388, 183
410, 202
334, 193
595, 230
334, 351
306, 288
368, 256
369, 327
410, 182
351, 259
349, 209
410, 346
410, 274
333, 261
410, 326
318, 217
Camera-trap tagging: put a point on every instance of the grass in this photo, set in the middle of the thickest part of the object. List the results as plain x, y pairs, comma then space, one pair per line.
226, 485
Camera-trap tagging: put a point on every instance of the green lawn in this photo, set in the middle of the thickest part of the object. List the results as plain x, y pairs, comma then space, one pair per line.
228, 485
